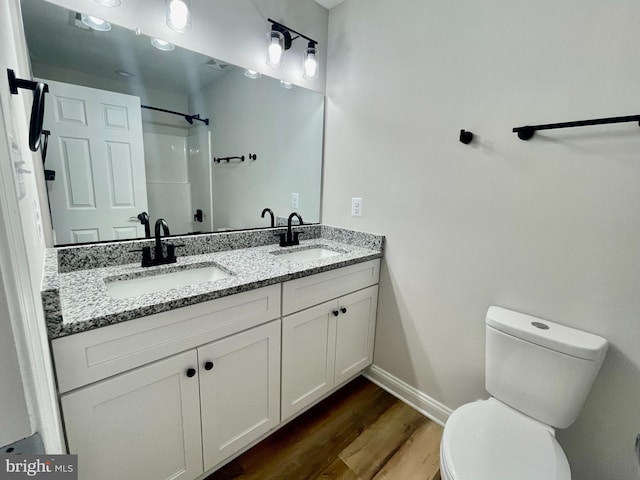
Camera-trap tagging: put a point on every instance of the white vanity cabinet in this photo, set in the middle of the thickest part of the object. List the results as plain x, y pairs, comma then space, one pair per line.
180, 415
175, 394
325, 344
163, 420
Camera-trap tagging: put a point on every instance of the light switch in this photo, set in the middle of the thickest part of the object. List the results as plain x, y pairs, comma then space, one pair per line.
295, 200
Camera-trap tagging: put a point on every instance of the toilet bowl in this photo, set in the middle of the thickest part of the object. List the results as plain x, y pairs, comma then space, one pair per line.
488, 440
539, 374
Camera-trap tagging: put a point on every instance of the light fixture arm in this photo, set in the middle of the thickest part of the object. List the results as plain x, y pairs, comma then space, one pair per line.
279, 27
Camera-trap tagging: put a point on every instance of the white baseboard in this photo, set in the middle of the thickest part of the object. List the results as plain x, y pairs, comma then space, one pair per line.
410, 395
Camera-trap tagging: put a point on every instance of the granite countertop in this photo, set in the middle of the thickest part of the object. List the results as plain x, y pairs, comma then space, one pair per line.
84, 302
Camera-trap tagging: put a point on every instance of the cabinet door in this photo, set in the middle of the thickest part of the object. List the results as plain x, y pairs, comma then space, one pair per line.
308, 355
144, 424
240, 392
356, 326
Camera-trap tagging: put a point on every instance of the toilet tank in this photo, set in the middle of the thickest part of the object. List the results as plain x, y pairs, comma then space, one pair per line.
541, 368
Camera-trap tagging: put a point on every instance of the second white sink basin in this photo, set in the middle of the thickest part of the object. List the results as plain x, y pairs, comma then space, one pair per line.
165, 281
307, 255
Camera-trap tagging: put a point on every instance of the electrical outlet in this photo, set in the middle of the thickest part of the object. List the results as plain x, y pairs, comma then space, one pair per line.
295, 200
356, 207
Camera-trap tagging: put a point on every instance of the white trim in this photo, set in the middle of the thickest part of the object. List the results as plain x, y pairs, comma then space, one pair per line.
422, 402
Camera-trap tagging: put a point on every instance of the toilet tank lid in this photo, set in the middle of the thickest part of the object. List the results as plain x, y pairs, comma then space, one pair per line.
547, 334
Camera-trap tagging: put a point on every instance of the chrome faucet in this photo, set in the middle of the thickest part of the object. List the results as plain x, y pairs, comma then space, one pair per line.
291, 238
273, 220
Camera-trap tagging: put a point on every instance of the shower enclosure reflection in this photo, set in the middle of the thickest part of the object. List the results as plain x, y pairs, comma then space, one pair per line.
114, 160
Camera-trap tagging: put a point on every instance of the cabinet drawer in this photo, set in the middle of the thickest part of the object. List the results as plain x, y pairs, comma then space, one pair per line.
315, 289
90, 356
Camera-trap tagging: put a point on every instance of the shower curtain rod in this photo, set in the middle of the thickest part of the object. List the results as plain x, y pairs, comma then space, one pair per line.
187, 117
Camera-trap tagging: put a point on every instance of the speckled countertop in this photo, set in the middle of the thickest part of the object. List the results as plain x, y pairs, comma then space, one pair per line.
77, 301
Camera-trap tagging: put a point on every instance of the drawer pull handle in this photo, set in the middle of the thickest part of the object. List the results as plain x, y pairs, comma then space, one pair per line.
335, 313
191, 372
343, 310
208, 365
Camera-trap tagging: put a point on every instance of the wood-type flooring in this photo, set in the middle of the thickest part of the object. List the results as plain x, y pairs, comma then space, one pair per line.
360, 432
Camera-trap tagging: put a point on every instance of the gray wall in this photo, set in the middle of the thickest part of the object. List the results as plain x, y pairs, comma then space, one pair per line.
548, 227
283, 128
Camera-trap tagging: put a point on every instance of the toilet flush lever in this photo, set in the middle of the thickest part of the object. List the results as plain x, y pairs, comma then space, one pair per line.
540, 325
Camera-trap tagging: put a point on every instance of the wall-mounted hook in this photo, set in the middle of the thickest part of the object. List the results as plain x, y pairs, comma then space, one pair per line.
37, 108
466, 137
253, 156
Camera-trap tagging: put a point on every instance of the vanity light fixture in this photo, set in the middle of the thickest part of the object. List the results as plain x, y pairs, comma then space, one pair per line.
178, 15
287, 85
109, 3
95, 23
310, 63
252, 74
279, 40
162, 45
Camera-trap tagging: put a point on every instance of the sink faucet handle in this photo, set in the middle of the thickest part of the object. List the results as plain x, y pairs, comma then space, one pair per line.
283, 239
295, 237
146, 255
171, 252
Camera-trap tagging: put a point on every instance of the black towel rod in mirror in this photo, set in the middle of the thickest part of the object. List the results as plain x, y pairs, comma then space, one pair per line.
37, 108
526, 132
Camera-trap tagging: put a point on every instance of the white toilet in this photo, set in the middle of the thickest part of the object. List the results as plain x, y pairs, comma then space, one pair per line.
539, 374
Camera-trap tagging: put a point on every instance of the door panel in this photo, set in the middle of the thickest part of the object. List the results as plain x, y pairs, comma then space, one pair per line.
97, 151
308, 355
240, 395
140, 425
355, 332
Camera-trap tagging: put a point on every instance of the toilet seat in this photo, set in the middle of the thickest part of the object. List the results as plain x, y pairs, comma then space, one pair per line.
488, 440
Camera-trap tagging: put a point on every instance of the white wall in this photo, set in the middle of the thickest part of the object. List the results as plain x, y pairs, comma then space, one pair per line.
233, 31
168, 187
24, 233
283, 128
549, 227
15, 423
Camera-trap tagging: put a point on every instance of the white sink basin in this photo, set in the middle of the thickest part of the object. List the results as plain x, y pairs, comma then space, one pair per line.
164, 281
307, 255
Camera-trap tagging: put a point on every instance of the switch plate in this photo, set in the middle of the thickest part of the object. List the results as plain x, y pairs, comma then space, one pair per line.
295, 200
356, 207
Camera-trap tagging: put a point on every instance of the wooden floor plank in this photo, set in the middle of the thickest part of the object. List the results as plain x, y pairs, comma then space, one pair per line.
359, 433
418, 458
369, 452
337, 471
302, 449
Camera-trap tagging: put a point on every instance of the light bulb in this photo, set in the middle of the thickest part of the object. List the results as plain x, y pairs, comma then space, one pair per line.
109, 3
252, 74
287, 85
178, 15
310, 64
275, 49
162, 45
95, 23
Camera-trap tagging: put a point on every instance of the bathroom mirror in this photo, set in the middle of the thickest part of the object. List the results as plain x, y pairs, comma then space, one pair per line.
112, 159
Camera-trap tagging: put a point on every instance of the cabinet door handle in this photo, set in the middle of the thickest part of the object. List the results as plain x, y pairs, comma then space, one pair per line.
335, 313
191, 372
208, 365
343, 309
